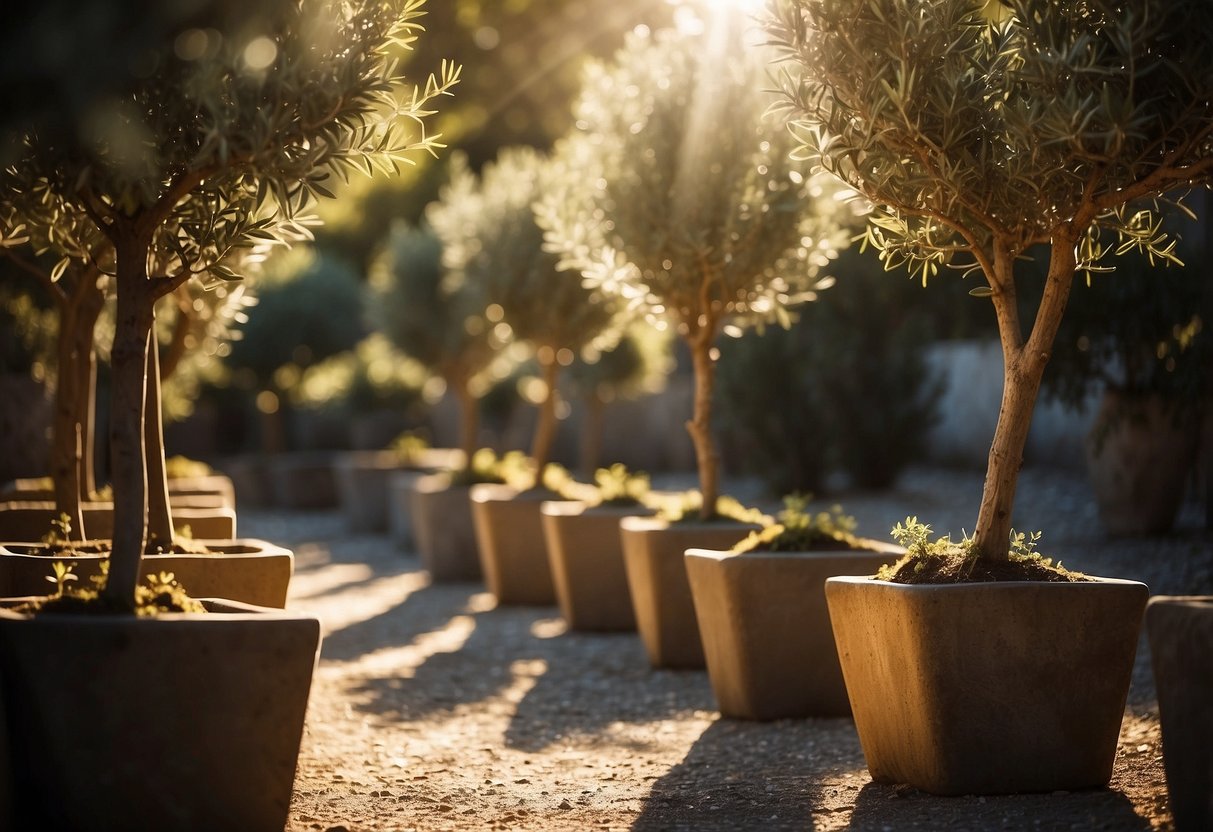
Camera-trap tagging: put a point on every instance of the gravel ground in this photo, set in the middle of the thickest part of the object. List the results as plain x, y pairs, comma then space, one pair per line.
433, 710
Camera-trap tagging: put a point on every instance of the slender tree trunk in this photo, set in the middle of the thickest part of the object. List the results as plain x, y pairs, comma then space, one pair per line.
545, 428
469, 420
86, 351
1023, 366
159, 514
132, 337
591, 434
700, 426
181, 330
66, 439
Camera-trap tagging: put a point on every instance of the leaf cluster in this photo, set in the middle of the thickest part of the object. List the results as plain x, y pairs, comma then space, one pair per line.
967, 123
680, 199
796, 529
685, 507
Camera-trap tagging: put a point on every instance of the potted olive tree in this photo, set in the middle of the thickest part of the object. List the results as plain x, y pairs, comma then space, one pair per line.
978, 134
241, 122
686, 204
440, 322
491, 237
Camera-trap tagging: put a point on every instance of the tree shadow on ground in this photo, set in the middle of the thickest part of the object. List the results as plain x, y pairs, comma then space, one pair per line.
881, 806
595, 679
755, 775
425, 610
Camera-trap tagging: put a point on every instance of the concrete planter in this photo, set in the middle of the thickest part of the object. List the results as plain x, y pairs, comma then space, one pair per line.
212, 490
766, 629
302, 480
443, 529
987, 688
188, 721
29, 521
586, 557
1181, 651
362, 488
509, 535
401, 525
249, 571
654, 556
1139, 452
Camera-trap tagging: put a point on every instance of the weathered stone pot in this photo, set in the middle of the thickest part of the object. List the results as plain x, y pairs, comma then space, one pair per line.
766, 629
29, 521
401, 526
509, 537
302, 479
362, 488
189, 492
987, 688
186, 721
654, 555
443, 529
248, 571
1139, 452
1181, 651
586, 558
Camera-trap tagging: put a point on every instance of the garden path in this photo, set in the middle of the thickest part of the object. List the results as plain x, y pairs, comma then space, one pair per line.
434, 710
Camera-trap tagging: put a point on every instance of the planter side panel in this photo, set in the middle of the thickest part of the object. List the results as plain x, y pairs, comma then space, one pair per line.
987, 688
444, 530
191, 725
513, 554
587, 571
1181, 651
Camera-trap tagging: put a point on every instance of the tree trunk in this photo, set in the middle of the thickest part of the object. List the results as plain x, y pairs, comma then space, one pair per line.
700, 425
545, 428
181, 330
132, 337
159, 514
86, 339
591, 435
1023, 367
469, 420
66, 439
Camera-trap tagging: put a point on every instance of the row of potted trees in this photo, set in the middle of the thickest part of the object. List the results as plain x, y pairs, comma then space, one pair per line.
192, 719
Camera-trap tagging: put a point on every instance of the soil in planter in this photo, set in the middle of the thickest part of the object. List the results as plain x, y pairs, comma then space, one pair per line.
153, 598
958, 569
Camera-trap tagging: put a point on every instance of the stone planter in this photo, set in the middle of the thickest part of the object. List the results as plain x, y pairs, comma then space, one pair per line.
362, 488
444, 531
212, 490
302, 480
987, 688
1139, 452
1181, 651
766, 629
586, 558
186, 721
401, 526
654, 556
29, 521
249, 571
509, 536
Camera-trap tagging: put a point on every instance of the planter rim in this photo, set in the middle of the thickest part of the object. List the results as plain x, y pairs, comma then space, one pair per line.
238, 612
576, 508
1198, 601
489, 492
262, 547
643, 523
886, 549
1053, 586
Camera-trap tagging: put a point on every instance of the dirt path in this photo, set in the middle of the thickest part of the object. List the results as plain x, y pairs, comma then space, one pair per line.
433, 710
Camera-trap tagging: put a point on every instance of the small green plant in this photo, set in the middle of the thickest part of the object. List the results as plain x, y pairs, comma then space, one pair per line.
612, 486
944, 560
408, 447
686, 507
181, 467
62, 575
798, 530
512, 468
60, 534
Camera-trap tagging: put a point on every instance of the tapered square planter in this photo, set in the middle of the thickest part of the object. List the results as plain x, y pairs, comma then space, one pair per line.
248, 571
401, 526
766, 629
987, 688
509, 536
362, 488
29, 521
443, 530
654, 554
177, 722
1181, 651
586, 555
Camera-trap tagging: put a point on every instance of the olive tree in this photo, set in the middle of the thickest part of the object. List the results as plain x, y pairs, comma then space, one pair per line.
492, 239
684, 202
981, 131
437, 319
227, 141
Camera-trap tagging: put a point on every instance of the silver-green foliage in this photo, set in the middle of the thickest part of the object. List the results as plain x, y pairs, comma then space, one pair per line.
492, 240
681, 198
430, 315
